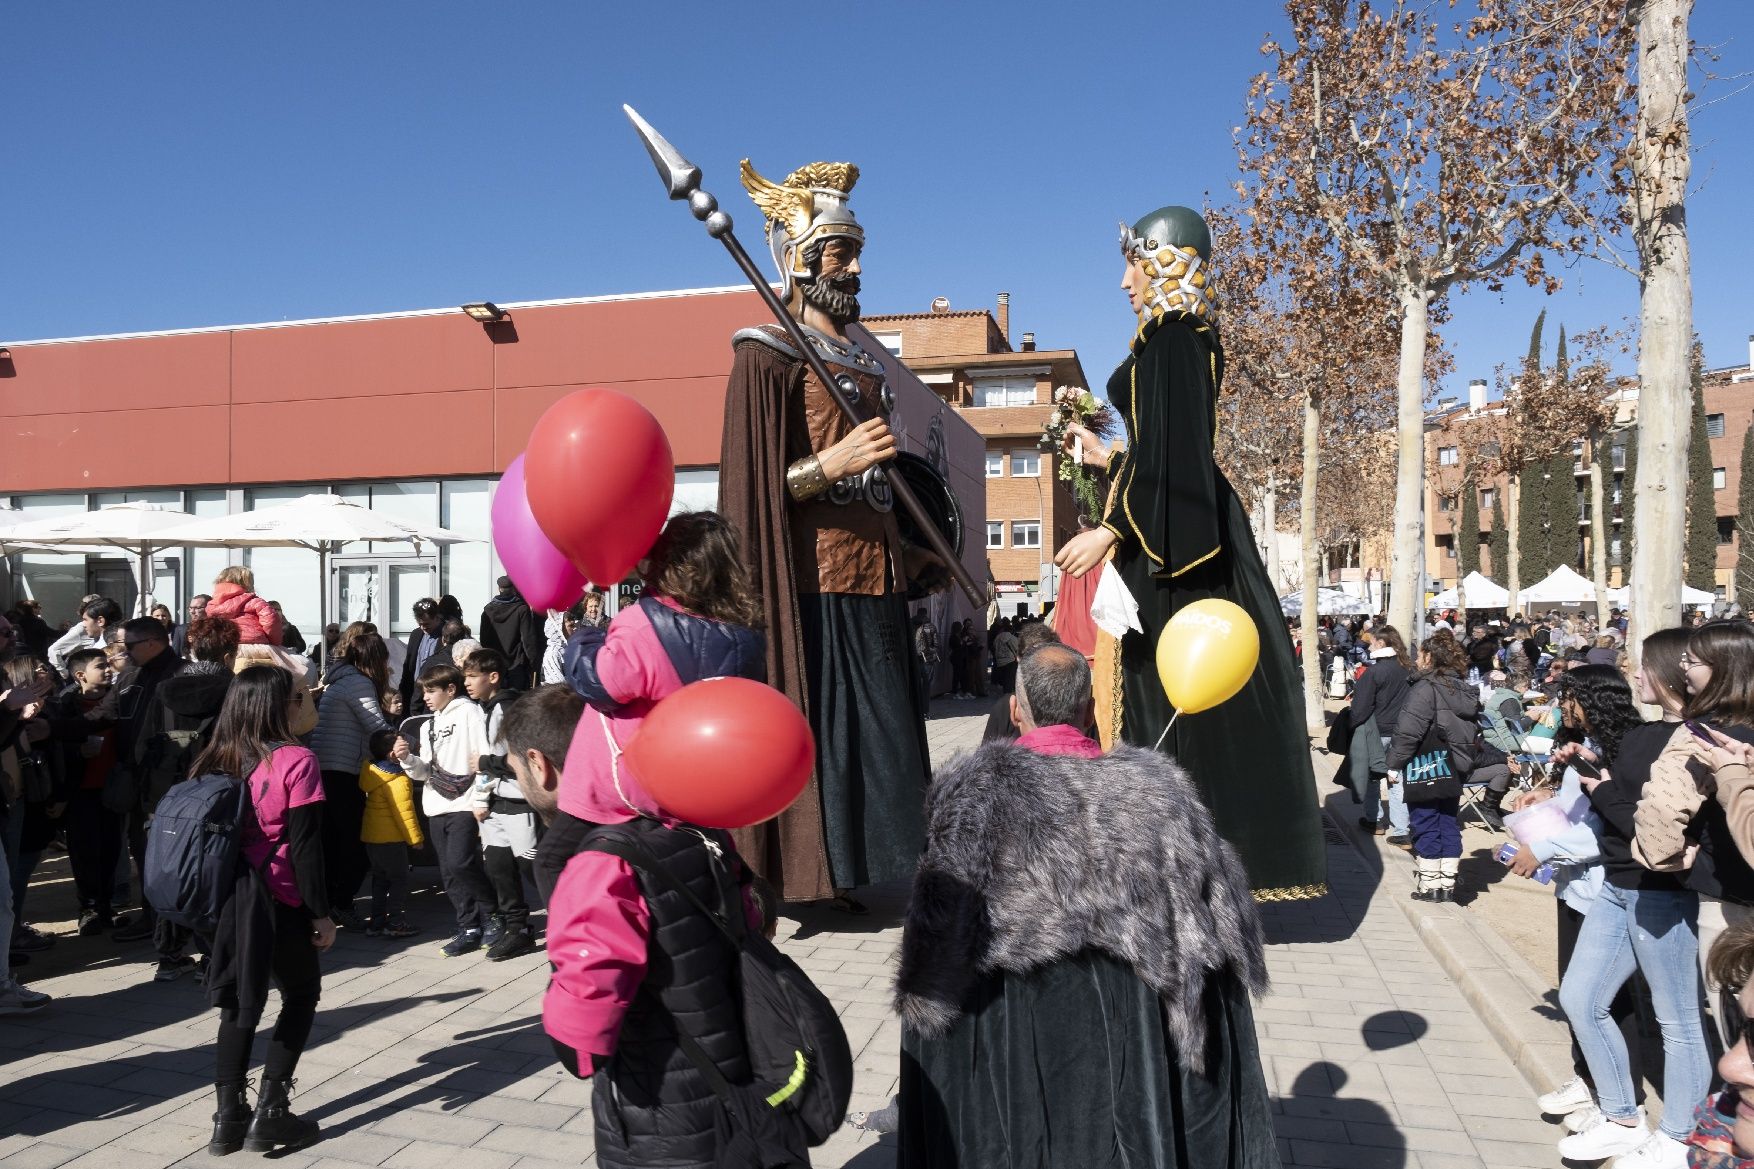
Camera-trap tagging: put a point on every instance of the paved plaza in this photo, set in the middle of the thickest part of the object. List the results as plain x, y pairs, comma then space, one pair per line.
1374, 1057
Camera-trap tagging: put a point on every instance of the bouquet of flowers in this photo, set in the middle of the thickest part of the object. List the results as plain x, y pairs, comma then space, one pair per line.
1077, 406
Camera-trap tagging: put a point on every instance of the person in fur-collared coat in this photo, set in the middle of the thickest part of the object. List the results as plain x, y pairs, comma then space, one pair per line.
1077, 960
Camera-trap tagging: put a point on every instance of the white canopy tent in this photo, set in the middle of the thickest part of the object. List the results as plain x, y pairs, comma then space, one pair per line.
321, 523
1479, 591
1563, 586
139, 528
1622, 597
1330, 602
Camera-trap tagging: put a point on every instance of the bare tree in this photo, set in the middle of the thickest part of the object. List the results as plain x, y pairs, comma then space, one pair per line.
1439, 157
1661, 162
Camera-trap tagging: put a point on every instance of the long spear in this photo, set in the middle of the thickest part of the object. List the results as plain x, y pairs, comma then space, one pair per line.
682, 180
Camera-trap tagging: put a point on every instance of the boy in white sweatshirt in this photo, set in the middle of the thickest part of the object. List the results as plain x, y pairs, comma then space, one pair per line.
508, 824
452, 742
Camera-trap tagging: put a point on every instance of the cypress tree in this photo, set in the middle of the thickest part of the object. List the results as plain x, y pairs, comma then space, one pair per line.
1562, 510
1701, 496
1531, 524
1744, 518
1500, 542
1468, 530
1535, 342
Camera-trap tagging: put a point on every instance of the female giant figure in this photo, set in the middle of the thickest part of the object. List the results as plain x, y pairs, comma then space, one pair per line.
1176, 532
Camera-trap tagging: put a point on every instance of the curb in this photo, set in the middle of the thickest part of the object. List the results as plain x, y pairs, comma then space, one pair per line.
1507, 994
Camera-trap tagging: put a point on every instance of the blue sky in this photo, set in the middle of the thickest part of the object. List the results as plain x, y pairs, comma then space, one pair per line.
175, 165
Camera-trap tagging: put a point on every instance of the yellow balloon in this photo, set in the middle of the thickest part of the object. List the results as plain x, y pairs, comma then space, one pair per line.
1206, 654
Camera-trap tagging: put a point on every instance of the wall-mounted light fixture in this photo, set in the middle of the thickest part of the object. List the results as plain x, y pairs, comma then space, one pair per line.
487, 312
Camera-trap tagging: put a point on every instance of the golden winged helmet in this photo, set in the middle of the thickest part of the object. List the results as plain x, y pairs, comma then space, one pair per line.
805, 210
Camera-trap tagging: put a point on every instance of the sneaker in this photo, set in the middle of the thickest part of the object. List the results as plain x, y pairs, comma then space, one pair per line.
1602, 1138
18, 999
171, 969
514, 944
1661, 1151
495, 930
1405, 842
28, 940
138, 931
1579, 1120
399, 928
346, 919
92, 923
374, 928
466, 942
1567, 1098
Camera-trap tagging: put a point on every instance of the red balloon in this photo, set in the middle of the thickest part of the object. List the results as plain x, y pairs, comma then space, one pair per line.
723, 753
599, 475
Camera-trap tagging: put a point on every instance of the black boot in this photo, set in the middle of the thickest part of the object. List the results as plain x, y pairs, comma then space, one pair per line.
1493, 802
232, 1119
275, 1125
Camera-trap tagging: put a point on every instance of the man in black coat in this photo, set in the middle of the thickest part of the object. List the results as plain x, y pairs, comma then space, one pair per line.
133, 709
510, 627
421, 644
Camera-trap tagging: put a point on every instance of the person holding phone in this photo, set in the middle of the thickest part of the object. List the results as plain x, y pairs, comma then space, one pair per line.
1684, 821
1643, 921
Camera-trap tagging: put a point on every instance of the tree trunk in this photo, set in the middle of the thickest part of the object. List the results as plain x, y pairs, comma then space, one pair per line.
1313, 683
1513, 503
1270, 531
1598, 528
1408, 566
1661, 165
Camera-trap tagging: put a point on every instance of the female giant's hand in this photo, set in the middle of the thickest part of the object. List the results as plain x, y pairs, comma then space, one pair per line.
1093, 453
1084, 551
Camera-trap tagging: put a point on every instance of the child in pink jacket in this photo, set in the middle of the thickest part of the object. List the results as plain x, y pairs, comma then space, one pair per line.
603, 942
234, 597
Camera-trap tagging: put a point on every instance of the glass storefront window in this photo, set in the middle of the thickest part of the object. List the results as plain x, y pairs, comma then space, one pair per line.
470, 570
287, 575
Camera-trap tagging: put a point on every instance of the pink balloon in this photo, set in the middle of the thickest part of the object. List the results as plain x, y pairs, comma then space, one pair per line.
541, 571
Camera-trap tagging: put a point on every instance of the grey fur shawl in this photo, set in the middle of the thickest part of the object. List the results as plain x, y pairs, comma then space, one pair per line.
1032, 858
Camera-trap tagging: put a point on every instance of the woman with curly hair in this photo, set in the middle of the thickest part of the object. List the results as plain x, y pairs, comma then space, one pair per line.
1642, 920
1431, 750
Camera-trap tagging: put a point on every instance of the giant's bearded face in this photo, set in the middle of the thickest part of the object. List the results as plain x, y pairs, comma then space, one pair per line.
833, 287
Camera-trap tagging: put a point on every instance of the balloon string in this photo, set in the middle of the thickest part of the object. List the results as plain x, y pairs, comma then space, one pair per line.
1173, 716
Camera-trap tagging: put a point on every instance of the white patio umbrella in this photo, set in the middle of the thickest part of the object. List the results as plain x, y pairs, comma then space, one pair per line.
321, 523
138, 528
1330, 602
1563, 586
1480, 591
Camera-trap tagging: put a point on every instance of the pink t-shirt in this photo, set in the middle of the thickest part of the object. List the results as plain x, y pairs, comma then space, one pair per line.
289, 778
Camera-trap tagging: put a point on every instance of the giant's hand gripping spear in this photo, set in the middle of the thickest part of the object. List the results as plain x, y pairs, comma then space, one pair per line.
682, 180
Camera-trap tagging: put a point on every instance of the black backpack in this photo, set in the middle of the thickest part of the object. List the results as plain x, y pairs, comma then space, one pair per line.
194, 840
798, 1050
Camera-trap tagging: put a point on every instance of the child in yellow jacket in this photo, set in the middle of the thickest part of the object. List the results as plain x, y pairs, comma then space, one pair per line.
388, 829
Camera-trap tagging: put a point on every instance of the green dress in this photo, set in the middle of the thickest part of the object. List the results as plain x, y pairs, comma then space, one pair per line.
1183, 536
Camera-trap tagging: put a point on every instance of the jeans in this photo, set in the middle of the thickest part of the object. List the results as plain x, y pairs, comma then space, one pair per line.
1630, 1010
1654, 931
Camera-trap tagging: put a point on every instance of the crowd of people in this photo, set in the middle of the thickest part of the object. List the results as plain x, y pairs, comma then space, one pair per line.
1643, 828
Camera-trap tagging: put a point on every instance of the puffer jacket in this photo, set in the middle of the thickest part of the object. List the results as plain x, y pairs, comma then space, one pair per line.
1453, 706
346, 721
389, 806
258, 623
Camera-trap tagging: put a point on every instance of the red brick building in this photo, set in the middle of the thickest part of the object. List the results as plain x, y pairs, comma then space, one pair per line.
966, 357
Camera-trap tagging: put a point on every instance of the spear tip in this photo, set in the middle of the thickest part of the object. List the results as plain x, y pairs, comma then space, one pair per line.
681, 177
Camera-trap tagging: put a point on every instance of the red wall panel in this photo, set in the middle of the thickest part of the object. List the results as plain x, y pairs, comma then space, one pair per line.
626, 340
379, 436
98, 450
401, 355
190, 369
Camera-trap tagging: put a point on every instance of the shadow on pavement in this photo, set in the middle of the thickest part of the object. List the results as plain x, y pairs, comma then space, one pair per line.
1316, 1095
